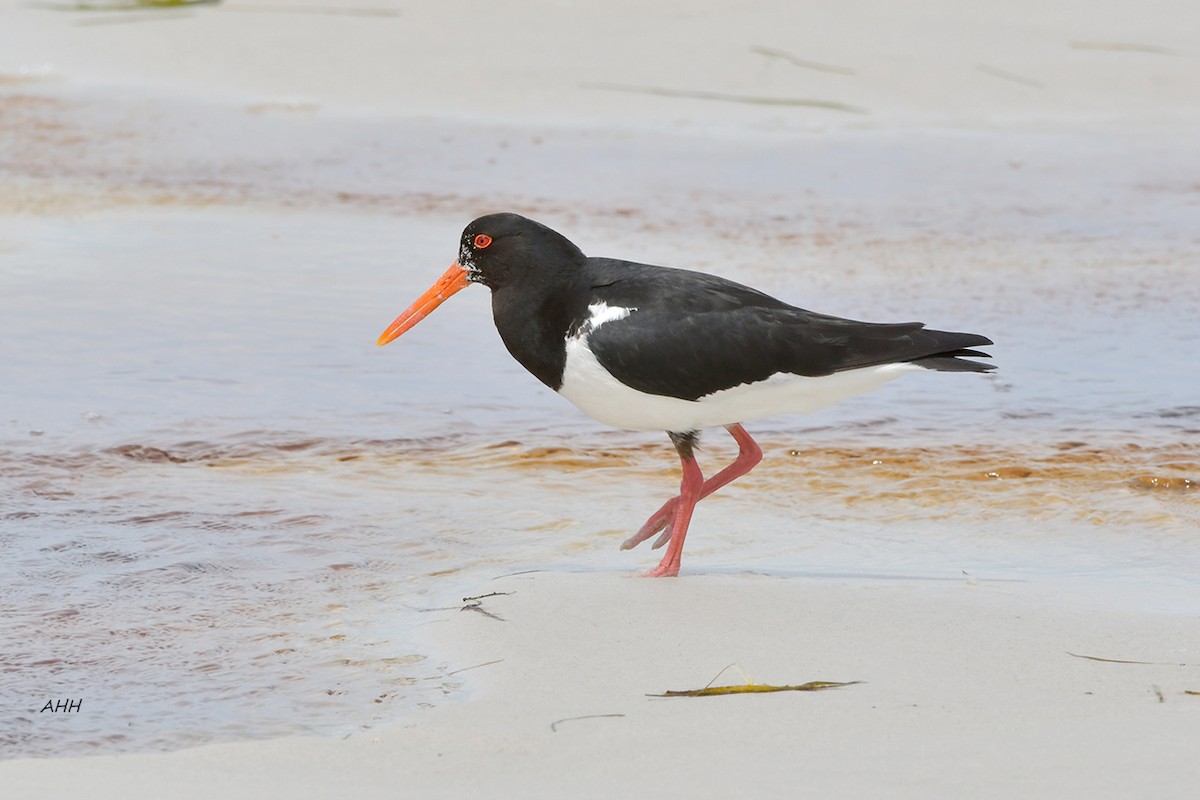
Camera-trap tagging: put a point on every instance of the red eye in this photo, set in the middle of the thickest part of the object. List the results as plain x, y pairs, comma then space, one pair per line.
482, 240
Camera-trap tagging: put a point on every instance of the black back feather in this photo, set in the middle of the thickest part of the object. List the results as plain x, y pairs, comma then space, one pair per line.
694, 334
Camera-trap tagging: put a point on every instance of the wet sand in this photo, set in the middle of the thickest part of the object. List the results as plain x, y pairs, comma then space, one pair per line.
229, 517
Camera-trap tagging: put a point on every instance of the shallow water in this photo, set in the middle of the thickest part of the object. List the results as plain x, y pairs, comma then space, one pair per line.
222, 509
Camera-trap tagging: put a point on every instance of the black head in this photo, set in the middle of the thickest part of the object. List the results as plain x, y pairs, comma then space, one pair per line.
502, 249
499, 251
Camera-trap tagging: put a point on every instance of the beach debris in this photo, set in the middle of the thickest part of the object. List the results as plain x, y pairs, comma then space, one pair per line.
1125, 47
476, 604
127, 5
259, 8
754, 688
725, 97
1004, 74
470, 604
554, 725
474, 666
485, 596
774, 52
1124, 661
1107, 660
750, 687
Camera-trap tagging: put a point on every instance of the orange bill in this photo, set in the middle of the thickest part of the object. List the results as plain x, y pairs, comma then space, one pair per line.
453, 281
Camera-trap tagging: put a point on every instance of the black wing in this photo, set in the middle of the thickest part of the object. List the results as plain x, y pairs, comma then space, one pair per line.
694, 334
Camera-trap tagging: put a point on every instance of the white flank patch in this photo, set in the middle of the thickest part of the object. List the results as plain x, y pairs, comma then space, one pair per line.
600, 314
602, 397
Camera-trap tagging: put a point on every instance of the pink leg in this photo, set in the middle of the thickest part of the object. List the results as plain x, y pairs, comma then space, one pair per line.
749, 454
689, 495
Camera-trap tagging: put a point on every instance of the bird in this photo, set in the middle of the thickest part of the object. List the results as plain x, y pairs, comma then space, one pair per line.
650, 348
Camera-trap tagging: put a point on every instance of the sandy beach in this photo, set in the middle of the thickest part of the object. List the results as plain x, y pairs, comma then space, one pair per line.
1012, 595
968, 687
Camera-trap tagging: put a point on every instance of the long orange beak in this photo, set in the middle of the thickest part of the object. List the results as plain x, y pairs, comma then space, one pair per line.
453, 281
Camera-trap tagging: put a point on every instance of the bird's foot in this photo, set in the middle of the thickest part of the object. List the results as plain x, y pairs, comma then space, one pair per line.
669, 566
663, 570
659, 521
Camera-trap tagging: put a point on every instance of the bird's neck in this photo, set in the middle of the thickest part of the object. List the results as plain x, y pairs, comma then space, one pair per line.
533, 326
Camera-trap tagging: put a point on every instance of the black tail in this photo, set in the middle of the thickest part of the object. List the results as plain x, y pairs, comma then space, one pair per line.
830, 344
955, 360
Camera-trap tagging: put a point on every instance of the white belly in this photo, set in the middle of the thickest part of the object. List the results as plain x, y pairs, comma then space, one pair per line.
603, 398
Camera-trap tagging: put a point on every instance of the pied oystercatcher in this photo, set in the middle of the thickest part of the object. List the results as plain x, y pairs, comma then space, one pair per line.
644, 348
